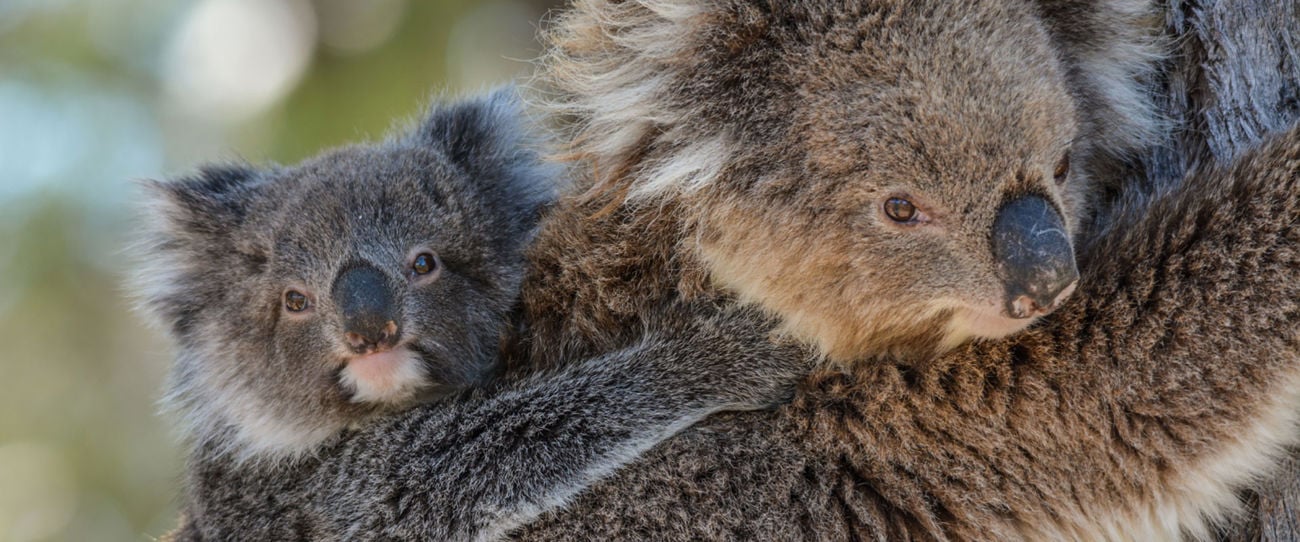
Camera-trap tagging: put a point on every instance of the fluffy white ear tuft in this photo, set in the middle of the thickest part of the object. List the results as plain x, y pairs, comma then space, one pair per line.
186, 222
613, 67
204, 203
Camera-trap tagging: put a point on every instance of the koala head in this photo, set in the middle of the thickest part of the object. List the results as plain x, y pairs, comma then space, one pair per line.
304, 299
887, 176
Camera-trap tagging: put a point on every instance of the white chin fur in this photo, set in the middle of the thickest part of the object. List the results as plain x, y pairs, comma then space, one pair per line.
269, 437
972, 323
390, 377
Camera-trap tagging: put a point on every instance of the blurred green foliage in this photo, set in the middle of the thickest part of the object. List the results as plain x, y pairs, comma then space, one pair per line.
89, 101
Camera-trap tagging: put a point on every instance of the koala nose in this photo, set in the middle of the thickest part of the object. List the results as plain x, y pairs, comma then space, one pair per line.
1034, 257
369, 308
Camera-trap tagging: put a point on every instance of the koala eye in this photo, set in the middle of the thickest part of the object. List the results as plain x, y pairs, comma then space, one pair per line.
1062, 168
424, 263
900, 210
295, 301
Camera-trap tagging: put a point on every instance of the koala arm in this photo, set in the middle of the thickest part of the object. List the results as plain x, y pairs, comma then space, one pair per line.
481, 464
1231, 80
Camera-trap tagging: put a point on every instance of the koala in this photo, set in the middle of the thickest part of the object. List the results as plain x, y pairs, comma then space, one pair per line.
937, 153
754, 151
856, 465
1130, 413
305, 300
311, 301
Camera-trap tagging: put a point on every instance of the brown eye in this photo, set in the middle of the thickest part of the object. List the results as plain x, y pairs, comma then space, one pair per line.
900, 210
424, 263
295, 301
1062, 169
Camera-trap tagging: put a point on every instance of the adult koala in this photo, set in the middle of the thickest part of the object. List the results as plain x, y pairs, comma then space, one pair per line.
1133, 412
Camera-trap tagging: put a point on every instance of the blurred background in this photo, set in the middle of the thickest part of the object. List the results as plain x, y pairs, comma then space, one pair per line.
97, 93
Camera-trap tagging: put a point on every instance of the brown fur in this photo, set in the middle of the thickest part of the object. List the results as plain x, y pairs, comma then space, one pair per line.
739, 133
1172, 378
1132, 414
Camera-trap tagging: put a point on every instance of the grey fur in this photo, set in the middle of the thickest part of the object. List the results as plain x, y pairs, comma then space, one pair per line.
261, 383
465, 185
487, 461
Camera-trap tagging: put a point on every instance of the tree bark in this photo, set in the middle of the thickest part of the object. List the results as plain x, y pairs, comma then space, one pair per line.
1233, 76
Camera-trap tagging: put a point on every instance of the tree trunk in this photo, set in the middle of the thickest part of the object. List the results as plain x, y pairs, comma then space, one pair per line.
1234, 76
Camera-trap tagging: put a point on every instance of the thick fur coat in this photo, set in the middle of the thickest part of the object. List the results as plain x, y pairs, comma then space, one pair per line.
1168, 382
1134, 413
1027, 438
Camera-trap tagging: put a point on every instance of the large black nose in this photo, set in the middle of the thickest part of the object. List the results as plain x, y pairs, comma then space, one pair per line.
369, 308
1034, 256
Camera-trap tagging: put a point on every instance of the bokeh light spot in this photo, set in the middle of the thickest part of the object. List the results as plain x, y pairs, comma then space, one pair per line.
232, 59
37, 494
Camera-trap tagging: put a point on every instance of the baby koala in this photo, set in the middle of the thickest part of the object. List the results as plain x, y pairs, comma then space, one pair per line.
304, 300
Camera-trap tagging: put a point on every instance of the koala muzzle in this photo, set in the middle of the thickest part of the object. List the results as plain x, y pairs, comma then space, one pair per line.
1035, 258
369, 308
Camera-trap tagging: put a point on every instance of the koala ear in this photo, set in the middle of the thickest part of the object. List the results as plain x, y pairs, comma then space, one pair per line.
210, 202
186, 239
477, 131
492, 138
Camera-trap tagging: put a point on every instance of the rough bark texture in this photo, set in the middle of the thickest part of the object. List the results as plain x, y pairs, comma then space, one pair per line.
1233, 77
1277, 505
